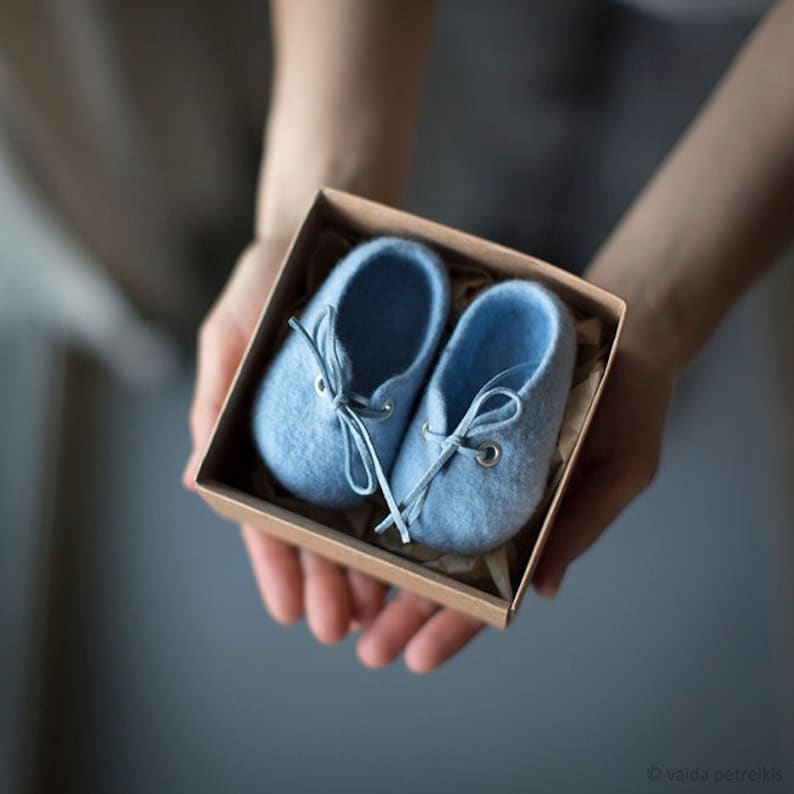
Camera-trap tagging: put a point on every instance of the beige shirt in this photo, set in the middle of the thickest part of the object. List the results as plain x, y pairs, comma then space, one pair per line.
722, 10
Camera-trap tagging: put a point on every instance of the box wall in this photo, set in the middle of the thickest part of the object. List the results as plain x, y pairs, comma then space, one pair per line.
221, 480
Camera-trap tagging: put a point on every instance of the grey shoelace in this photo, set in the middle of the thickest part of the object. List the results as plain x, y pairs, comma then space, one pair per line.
456, 442
350, 409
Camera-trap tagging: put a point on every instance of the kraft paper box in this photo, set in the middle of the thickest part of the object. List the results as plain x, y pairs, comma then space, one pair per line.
234, 481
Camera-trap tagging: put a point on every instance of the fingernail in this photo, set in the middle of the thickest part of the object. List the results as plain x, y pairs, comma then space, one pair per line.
188, 474
551, 585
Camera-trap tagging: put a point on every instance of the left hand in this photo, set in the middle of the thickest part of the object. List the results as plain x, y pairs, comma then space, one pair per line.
293, 582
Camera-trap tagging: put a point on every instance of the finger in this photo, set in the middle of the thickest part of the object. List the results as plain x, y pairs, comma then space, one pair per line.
596, 502
326, 595
366, 598
383, 641
443, 636
278, 574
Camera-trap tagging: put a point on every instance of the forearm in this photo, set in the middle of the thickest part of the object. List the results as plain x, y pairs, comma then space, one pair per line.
348, 75
719, 210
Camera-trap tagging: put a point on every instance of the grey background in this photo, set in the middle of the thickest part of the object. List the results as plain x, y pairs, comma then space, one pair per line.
136, 656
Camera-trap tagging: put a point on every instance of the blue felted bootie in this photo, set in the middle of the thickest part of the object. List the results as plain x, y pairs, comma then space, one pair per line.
332, 408
475, 459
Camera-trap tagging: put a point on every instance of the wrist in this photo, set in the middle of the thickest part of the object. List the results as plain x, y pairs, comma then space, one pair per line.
655, 326
298, 161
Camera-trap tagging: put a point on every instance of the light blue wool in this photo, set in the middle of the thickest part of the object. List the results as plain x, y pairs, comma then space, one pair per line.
332, 408
503, 379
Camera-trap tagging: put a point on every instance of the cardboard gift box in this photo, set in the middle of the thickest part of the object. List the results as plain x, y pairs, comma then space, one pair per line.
234, 481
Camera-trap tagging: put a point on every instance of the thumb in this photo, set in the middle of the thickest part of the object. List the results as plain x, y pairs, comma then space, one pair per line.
223, 338
220, 349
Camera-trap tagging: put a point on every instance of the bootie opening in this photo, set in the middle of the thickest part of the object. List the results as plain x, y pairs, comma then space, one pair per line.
385, 316
515, 325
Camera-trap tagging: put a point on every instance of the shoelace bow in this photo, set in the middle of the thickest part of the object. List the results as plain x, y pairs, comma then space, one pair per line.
350, 408
471, 424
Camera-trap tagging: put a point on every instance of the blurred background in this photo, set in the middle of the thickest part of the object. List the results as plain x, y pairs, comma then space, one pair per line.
135, 655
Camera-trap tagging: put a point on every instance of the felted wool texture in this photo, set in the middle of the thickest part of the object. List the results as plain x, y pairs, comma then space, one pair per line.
470, 509
392, 301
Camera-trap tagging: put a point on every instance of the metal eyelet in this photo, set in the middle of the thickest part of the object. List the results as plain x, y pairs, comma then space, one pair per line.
425, 428
490, 453
388, 408
319, 385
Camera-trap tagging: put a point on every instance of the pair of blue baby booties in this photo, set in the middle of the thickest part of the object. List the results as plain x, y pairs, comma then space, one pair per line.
346, 407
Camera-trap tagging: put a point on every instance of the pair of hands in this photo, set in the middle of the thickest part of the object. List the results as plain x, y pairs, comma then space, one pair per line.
619, 460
